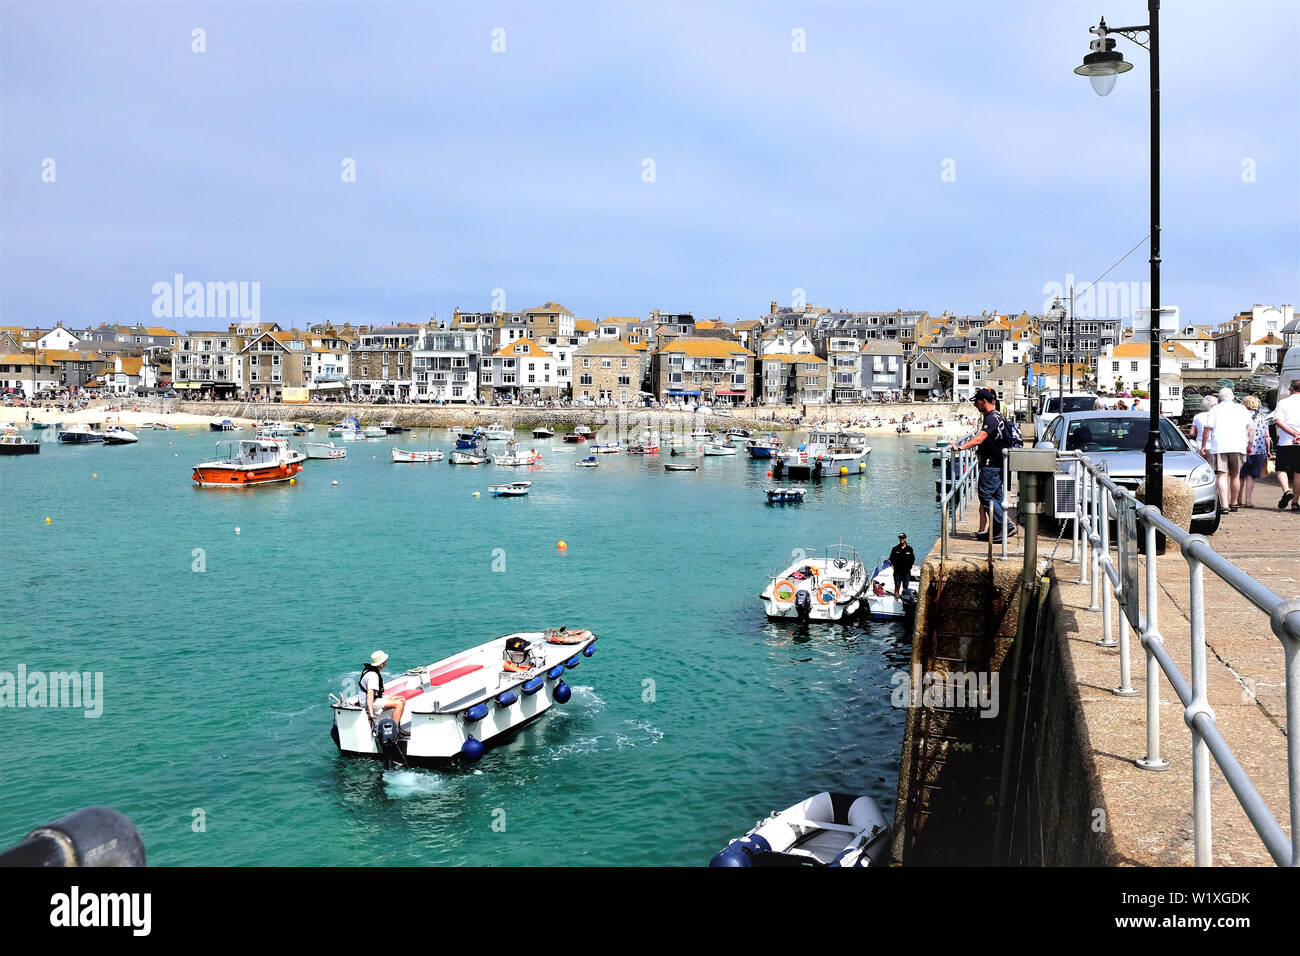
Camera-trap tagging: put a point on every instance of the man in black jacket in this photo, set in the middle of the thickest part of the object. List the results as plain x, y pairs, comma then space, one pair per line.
902, 559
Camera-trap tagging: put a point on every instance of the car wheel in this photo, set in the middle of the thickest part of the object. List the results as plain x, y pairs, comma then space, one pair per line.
1212, 525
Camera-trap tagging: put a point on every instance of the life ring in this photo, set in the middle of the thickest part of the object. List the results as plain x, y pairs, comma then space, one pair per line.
822, 591
784, 591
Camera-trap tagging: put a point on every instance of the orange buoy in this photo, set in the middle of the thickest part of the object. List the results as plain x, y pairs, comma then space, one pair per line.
47, 521
562, 546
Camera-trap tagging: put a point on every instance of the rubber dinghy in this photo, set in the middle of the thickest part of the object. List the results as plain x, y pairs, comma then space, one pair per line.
828, 829
455, 706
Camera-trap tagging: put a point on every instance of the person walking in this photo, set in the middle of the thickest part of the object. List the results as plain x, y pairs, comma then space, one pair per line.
990, 444
1198, 420
1228, 433
1287, 418
1256, 454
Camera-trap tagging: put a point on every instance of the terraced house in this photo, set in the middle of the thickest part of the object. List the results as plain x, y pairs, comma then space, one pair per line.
521, 370
793, 379
275, 361
446, 363
716, 371
608, 371
213, 362
381, 361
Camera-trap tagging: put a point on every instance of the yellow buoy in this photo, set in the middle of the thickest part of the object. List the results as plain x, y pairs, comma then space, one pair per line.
95, 475
47, 520
562, 546
477, 495
844, 469
293, 481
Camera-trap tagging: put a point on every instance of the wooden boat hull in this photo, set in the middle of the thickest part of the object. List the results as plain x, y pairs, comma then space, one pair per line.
213, 476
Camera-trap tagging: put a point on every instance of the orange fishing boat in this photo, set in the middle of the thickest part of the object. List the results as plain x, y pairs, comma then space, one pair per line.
241, 463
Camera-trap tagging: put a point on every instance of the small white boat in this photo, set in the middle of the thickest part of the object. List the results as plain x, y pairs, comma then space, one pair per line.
461, 702
818, 589
608, 448
881, 603
459, 457
79, 435
322, 451
348, 429
778, 496
542, 431
432, 454
738, 435
498, 432
589, 462
513, 489
700, 432
118, 435
267, 436
513, 456
712, 448
374, 431
827, 829
691, 467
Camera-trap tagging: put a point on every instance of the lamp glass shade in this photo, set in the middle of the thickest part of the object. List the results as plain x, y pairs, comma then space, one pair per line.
1103, 83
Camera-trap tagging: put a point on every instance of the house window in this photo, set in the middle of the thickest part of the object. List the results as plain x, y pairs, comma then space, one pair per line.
605, 363
1133, 366
1114, 366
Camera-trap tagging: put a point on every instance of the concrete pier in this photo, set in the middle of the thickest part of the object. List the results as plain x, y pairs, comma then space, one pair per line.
1079, 797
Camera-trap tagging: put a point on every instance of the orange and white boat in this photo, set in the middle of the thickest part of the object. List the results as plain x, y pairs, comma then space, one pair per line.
241, 463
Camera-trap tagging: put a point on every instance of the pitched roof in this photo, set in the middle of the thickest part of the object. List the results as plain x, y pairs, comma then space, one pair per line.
704, 348
787, 359
583, 325
606, 347
532, 350
550, 307
1269, 339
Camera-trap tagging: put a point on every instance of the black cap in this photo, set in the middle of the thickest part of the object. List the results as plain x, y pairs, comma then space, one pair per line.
902, 534
987, 394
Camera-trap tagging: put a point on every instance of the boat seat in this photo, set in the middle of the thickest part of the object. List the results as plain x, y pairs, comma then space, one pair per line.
447, 677
407, 694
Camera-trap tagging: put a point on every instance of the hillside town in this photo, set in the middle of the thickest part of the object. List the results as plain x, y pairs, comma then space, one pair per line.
805, 356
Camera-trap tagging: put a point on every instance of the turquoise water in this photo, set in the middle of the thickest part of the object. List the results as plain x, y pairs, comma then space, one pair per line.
695, 717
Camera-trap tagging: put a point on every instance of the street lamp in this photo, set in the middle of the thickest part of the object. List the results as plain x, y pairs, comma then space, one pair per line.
1101, 67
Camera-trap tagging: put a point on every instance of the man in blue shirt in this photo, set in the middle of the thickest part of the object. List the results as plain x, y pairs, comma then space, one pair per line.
990, 447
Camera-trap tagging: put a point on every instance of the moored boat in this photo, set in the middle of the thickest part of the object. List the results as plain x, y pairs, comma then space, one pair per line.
714, 448
498, 432
513, 489
573, 438
18, 445
781, 496
542, 431
827, 829
607, 448
80, 435
768, 446
242, 463
40, 426
818, 589
433, 454
225, 425
349, 430
118, 435
738, 436
391, 427
460, 457
513, 456
456, 705
374, 431
317, 450
881, 603
591, 461
690, 467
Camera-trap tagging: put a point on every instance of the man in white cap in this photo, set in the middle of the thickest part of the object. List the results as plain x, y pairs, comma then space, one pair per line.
372, 685
1228, 433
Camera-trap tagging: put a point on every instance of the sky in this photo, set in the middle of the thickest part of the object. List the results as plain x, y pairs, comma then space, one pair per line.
378, 163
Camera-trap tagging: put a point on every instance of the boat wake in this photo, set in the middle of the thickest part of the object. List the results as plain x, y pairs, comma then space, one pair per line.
583, 745
401, 783
645, 734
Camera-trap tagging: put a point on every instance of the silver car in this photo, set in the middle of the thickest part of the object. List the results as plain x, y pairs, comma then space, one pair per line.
1118, 439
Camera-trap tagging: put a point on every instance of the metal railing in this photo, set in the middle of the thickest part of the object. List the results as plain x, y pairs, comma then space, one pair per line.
1098, 501
959, 477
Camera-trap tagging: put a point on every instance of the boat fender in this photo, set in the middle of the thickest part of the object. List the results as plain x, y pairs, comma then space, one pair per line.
589, 650
471, 749
507, 698
477, 712
742, 852
573, 662
555, 671
563, 692
533, 686
803, 603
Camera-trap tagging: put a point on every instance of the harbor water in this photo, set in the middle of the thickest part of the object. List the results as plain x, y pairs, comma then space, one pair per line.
221, 621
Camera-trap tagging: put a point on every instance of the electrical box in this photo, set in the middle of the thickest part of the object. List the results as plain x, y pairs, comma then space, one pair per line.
1040, 461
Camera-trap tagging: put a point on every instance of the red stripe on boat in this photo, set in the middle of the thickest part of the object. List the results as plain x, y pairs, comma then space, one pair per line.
448, 676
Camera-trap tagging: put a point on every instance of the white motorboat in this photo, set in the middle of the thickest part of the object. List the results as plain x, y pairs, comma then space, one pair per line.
818, 589
118, 435
608, 448
432, 454
881, 603
691, 467
241, 464
827, 829
322, 451
513, 456
374, 431
498, 432
460, 457
589, 462
79, 435
541, 431
349, 430
455, 706
292, 455
712, 448
739, 436
513, 489
700, 432
781, 496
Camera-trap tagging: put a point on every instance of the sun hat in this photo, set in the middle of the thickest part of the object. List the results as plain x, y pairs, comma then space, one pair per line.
378, 658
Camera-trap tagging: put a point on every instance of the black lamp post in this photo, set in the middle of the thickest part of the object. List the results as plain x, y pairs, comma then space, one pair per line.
1102, 66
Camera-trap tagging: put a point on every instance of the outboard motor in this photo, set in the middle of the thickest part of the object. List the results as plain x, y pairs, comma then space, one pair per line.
743, 852
803, 604
387, 734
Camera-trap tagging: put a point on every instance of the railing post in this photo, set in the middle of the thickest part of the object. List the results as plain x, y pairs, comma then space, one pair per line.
1094, 541
1081, 499
1074, 534
1200, 704
1006, 496
1107, 640
943, 529
1151, 637
1291, 649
